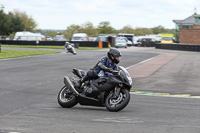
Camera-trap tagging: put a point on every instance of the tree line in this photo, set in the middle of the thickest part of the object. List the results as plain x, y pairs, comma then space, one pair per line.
106, 28
19, 21
15, 21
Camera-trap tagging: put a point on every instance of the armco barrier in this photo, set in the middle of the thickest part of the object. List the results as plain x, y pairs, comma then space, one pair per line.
55, 43
179, 46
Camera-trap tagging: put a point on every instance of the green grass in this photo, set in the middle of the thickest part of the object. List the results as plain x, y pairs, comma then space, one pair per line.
49, 47
30, 46
10, 53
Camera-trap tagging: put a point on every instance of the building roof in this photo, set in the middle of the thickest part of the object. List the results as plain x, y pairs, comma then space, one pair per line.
188, 20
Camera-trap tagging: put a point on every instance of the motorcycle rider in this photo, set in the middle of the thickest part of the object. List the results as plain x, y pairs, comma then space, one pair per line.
106, 66
67, 46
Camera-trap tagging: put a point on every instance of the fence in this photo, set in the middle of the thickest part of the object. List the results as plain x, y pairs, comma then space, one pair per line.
178, 46
55, 43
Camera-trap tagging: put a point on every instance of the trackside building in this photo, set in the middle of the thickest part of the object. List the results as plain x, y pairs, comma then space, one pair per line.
188, 30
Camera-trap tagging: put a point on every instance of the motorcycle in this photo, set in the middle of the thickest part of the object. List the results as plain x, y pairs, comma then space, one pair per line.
112, 92
70, 48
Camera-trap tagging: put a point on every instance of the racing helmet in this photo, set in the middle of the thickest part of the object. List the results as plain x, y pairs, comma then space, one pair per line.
113, 55
66, 42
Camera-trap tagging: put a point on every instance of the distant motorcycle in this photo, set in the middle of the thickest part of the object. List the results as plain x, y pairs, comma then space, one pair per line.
70, 48
112, 92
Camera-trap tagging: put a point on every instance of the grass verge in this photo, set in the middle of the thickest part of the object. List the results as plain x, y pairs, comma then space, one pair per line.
10, 53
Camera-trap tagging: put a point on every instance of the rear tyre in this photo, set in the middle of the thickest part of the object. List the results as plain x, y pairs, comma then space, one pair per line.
66, 99
119, 103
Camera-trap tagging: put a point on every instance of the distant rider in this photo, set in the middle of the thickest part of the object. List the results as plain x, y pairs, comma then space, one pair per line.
68, 46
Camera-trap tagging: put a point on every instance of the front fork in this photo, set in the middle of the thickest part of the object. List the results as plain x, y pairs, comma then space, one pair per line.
117, 91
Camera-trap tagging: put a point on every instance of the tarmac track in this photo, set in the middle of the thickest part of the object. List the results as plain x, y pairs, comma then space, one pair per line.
29, 87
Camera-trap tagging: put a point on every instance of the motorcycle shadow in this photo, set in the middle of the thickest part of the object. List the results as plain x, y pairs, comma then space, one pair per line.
87, 108
92, 108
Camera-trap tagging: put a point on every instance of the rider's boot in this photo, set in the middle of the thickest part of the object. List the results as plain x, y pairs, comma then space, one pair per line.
79, 84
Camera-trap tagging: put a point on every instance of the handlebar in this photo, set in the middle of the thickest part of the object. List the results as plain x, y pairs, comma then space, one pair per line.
115, 72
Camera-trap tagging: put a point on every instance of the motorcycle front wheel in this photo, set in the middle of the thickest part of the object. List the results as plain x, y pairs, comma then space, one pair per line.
73, 51
66, 99
116, 104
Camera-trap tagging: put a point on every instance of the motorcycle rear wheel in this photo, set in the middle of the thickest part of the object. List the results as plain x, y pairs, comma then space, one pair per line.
66, 99
119, 103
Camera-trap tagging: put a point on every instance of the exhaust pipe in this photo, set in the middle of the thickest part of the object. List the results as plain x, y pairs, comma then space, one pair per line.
69, 84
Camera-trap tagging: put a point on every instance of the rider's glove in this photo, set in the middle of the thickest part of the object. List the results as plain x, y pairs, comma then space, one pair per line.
112, 71
115, 72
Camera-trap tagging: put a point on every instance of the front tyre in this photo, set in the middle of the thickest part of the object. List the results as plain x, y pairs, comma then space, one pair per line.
73, 51
66, 99
119, 103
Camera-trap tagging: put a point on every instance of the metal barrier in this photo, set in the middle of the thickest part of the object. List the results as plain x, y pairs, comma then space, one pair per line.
55, 43
179, 46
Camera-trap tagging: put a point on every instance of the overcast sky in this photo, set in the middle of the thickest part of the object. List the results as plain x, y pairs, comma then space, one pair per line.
59, 14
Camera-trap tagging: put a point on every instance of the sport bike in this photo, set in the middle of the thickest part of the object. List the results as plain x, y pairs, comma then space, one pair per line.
70, 48
112, 92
